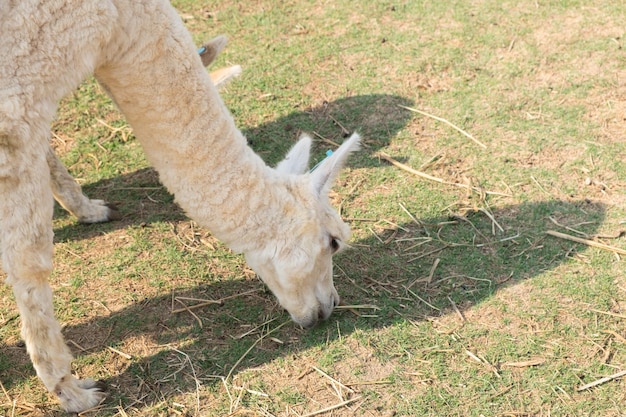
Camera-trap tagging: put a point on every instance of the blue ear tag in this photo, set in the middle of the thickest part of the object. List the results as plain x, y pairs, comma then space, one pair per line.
201, 50
328, 154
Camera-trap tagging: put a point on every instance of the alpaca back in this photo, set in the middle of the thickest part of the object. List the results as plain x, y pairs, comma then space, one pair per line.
34, 72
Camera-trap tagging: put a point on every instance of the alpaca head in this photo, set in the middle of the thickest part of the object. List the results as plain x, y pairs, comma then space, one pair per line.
297, 264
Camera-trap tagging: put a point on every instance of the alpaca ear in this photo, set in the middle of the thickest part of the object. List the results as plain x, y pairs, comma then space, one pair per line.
323, 176
210, 50
297, 159
223, 75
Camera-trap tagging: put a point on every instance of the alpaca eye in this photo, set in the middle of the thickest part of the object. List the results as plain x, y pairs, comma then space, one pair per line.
334, 244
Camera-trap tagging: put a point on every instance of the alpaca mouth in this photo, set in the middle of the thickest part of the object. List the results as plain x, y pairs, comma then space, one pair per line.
310, 324
324, 311
310, 321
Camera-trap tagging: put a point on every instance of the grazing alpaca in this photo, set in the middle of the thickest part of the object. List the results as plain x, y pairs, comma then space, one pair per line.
144, 57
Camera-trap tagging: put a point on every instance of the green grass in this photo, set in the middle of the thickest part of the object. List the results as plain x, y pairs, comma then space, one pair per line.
466, 285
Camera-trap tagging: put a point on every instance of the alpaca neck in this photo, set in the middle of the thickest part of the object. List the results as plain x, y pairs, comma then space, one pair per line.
191, 140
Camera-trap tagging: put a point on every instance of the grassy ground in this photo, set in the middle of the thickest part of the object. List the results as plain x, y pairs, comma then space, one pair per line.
465, 306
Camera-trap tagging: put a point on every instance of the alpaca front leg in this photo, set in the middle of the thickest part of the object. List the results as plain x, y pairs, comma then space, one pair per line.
50, 355
70, 196
26, 248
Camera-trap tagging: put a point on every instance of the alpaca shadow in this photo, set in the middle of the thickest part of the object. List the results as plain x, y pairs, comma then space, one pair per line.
376, 117
388, 270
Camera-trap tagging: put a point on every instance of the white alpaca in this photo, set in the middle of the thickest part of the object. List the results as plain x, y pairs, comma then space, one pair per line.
144, 57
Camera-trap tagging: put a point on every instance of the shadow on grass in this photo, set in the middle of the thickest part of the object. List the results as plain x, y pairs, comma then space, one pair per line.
376, 117
388, 270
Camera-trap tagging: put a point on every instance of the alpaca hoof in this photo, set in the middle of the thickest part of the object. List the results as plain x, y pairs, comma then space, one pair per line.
78, 395
114, 213
99, 211
99, 385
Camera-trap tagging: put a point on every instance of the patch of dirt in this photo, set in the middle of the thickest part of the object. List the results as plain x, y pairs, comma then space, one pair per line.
572, 27
311, 388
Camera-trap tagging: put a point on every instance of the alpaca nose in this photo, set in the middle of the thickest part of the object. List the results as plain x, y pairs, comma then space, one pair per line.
326, 310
